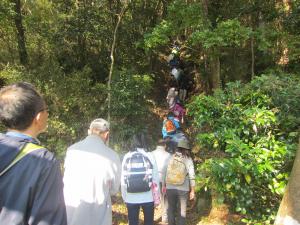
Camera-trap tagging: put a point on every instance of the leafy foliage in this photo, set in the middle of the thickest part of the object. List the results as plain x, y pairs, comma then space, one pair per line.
130, 106
227, 33
72, 100
181, 16
248, 125
159, 35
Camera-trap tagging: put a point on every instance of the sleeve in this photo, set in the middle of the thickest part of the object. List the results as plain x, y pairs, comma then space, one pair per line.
123, 185
168, 95
48, 206
155, 175
191, 171
163, 129
176, 122
164, 172
116, 179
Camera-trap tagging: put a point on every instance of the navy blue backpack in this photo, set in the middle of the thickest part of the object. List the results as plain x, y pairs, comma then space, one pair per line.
138, 173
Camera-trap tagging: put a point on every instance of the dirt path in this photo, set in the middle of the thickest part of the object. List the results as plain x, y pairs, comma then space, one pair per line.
201, 213
218, 215
120, 214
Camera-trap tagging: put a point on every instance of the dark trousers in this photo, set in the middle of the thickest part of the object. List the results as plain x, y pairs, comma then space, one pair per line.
134, 211
177, 198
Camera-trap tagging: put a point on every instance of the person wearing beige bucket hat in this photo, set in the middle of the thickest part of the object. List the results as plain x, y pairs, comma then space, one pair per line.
179, 183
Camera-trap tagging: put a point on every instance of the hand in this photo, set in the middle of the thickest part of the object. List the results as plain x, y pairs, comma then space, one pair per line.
192, 195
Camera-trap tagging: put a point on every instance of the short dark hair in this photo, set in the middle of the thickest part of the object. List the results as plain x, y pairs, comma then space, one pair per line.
170, 114
19, 104
139, 140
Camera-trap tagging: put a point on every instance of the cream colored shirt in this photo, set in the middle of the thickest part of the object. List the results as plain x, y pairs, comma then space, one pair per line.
92, 174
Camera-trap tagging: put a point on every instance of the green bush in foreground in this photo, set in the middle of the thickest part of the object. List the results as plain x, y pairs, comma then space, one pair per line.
254, 128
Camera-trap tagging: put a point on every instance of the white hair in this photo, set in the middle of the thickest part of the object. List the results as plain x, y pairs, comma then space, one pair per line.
100, 125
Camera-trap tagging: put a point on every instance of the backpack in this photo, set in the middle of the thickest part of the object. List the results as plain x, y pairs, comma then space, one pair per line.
138, 173
176, 73
176, 170
170, 127
178, 111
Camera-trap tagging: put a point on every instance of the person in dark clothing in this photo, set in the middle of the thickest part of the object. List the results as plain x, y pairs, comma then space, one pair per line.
31, 188
185, 85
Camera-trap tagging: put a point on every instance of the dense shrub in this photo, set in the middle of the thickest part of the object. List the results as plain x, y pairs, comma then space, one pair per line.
75, 99
254, 128
130, 106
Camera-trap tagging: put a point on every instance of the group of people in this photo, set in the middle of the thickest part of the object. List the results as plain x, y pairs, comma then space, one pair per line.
33, 189
179, 78
173, 155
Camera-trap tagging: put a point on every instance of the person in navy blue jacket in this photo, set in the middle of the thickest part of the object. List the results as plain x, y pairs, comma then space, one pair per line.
31, 190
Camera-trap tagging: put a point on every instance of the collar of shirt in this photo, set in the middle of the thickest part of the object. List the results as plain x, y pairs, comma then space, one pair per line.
23, 136
160, 148
141, 150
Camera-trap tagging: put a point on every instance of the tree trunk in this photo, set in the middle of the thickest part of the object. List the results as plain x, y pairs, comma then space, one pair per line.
289, 210
252, 57
113, 46
215, 74
214, 79
205, 7
20, 33
164, 9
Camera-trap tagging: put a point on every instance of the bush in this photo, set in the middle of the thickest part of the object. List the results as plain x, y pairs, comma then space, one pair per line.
75, 99
254, 128
130, 106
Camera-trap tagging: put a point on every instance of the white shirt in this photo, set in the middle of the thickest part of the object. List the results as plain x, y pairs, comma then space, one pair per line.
142, 197
92, 175
161, 157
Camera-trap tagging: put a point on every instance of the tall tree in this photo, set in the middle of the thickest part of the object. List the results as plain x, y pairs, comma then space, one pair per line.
112, 57
20, 32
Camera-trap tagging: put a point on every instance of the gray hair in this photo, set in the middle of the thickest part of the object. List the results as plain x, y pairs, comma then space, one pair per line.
100, 125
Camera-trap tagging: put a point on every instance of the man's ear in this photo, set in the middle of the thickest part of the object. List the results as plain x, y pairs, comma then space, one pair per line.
40, 122
37, 118
106, 135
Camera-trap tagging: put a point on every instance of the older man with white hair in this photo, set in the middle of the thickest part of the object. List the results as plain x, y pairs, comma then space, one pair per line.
92, 175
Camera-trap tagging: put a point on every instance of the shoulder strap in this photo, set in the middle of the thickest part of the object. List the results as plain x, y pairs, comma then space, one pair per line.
149, 165
128, 159
145, 159
28, 148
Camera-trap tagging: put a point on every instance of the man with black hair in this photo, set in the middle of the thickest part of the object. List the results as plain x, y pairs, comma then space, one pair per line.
31, 188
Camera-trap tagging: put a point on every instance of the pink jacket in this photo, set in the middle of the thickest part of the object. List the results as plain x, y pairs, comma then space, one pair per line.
179, 112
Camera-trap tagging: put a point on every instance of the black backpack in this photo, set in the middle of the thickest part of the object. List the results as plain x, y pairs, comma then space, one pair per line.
138, 173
